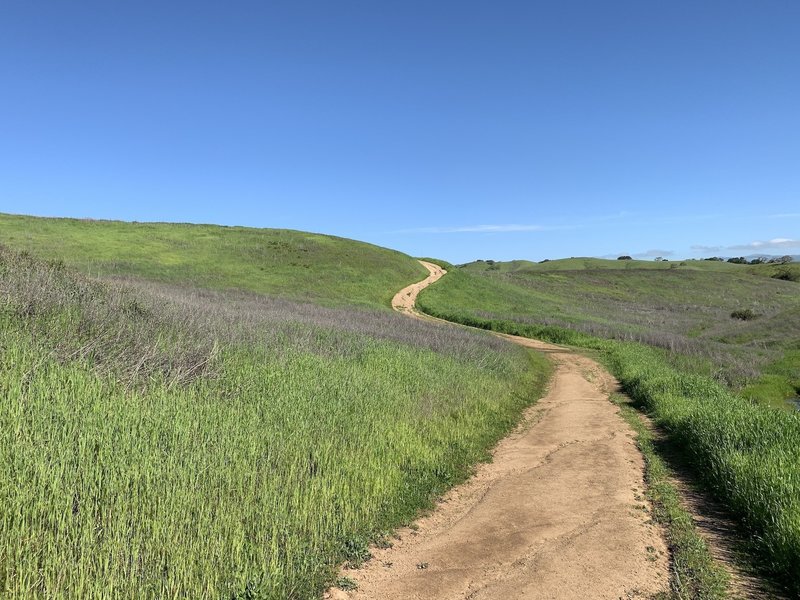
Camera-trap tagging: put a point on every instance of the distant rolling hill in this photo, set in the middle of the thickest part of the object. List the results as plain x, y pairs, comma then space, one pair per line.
588, 263
293, 264
520, 267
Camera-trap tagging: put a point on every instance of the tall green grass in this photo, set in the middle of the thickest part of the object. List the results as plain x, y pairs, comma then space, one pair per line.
747, 452
255, 476
695, 574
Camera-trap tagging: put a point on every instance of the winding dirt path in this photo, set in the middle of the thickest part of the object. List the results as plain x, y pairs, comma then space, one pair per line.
405, 300
558, 513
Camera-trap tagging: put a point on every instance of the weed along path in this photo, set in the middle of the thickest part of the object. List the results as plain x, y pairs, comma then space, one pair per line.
558, 513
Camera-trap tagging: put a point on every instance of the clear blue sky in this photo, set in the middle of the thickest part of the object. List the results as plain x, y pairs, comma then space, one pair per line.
454, 129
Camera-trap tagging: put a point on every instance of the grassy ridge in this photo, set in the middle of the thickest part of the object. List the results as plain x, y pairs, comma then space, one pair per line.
158, 441
746, 452
292, 264
791, 270
596, 264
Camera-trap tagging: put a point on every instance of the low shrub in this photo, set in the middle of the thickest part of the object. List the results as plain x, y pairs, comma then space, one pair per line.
786, 275
743, 314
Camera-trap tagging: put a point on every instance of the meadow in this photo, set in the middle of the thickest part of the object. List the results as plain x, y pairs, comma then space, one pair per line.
293, 264
162, 440
743, 449
686, 308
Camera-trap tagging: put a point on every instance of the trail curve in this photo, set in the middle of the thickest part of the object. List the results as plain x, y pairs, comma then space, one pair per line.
406, 299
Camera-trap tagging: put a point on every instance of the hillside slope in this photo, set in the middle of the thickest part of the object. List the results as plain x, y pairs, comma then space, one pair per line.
223, 412
688, 310
160, 440
292, 264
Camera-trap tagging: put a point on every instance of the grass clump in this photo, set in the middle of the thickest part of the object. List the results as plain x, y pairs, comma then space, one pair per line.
780, 380
111, 326
308, 432
347, 584
745, 314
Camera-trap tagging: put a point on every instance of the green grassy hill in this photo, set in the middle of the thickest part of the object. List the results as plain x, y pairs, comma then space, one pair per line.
595, 264
164, 440
685, 309
294, 264
673, 339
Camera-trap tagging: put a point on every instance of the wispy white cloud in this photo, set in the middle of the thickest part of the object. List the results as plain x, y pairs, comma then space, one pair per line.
701, 248
785, 216
646, 254
597, 222
679, 219
654, 253
773, 244
480, 229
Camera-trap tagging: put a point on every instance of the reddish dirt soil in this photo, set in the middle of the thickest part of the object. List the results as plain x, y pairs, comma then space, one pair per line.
558, 513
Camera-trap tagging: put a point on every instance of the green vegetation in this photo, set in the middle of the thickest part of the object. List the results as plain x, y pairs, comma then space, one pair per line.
595, 264
162, 441
694, 572
705, 316
745, 451
438, 261
744, 314
294, 264
779, 380
785, 272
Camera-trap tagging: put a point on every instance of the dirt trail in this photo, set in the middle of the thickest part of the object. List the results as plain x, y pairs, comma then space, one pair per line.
558, 513
405, 299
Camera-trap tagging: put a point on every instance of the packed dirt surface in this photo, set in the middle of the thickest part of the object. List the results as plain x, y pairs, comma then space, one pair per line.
558, 513
405, 299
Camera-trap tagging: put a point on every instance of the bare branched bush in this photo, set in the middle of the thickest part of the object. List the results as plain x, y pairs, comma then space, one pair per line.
110, 326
